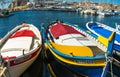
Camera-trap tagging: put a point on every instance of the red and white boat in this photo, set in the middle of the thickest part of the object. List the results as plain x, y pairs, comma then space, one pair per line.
20, 48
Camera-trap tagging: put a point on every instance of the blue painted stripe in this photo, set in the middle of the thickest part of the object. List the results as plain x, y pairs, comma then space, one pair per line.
87, 71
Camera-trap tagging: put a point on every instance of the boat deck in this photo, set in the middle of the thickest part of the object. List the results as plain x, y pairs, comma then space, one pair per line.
96, 50
75, 44
75, 40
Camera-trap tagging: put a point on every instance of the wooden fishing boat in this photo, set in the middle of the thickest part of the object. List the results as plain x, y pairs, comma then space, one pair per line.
78, 51
3, 16
99, 29
20, 48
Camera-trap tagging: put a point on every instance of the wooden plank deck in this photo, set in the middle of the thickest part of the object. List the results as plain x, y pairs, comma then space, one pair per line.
96, 50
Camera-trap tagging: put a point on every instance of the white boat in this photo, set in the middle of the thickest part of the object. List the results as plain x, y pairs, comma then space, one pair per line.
20, 48
106, 13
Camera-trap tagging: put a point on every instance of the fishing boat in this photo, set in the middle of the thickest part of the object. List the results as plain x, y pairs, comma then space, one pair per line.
99, 29
75, 49
7, 15
20, 48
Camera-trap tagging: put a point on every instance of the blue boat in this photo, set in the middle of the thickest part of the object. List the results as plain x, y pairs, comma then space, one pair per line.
77, 50
98, 29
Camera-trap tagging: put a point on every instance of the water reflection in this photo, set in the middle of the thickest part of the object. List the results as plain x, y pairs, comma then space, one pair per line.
56, 69
48, 67
36, 69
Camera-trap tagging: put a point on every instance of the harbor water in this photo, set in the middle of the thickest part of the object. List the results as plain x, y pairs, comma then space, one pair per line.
40, 67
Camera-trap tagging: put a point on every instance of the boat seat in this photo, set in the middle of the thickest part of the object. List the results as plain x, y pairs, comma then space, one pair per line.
96, 50
18, 43
74, 39
13, 49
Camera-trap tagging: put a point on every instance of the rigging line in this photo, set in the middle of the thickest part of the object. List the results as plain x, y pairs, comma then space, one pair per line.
116, 60
111, 61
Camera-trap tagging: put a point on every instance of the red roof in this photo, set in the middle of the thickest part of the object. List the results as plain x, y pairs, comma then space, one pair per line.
23, 33
59, 29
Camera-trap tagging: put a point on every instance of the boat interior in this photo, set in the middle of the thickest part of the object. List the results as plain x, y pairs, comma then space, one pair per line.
20, 43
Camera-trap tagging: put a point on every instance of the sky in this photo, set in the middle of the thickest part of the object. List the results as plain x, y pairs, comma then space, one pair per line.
98, 1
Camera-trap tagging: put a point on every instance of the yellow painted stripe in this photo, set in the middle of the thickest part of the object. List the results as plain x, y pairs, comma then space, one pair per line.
111, 36
74, 62
46, 47
103, 40
51, 70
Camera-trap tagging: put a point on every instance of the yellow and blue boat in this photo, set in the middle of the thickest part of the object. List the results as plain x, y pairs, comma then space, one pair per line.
98, 29
77, 50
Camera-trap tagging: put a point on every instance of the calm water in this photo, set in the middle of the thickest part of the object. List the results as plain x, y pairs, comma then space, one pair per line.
39, 17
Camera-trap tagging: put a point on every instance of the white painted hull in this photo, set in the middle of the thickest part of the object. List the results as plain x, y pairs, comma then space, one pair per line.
17, 70
21, 51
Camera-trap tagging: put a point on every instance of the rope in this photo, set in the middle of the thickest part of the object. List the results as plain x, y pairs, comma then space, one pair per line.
116, 60
111, 60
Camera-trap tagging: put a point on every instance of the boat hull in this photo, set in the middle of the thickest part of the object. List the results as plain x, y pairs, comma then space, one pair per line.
89, 71
17, 70
86, 71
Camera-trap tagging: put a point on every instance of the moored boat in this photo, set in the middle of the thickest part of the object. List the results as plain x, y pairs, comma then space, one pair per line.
99, 29
4, 14
77, 50
20, 48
